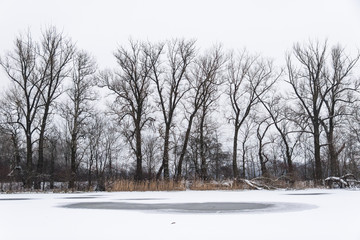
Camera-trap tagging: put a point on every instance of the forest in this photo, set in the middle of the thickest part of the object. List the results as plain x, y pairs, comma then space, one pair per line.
171, 111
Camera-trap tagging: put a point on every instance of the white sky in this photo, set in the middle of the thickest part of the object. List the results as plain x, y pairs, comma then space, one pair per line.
269, 27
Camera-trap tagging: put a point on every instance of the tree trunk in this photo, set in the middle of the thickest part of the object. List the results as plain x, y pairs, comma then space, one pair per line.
52, 171
73, 149
183, 151
89, 173
196, 163
234, 157
317, 156
202, 148
166, 152
138, 174
263, 168
289, 162
29, 167
16, 151
333, 154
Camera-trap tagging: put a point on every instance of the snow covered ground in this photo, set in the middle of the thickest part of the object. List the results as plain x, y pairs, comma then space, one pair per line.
308, 214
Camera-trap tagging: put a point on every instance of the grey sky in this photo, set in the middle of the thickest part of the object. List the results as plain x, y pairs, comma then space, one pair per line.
269, 27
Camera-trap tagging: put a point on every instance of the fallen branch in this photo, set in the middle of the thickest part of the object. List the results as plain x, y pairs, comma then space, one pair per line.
252, 184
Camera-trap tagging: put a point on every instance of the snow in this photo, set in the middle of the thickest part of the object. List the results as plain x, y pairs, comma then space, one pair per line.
307, 214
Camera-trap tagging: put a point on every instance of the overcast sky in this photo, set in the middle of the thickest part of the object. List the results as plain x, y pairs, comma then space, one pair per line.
269, 27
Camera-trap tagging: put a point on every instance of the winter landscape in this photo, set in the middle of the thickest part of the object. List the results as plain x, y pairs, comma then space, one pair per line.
193, 119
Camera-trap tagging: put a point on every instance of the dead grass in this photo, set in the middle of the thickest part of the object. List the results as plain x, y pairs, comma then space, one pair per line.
213, 185
128, 185
270, 184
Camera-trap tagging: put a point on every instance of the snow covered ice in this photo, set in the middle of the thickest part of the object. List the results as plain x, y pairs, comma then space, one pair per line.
307, 214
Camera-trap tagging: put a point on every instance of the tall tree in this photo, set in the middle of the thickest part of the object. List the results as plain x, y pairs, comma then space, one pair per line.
249, 77
203, 79
170, 81
20, 66
338, 99
131, 86
211, 66
308, 85
55, 54
78, 108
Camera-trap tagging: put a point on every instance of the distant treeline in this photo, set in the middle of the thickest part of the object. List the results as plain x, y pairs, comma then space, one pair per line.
171, 111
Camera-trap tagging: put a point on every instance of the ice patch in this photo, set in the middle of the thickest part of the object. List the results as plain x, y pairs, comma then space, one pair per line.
205, 207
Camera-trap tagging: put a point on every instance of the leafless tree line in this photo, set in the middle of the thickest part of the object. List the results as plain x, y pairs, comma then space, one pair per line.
169, 110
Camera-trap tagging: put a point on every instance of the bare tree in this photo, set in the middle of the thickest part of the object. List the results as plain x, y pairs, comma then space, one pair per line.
55, 54
131, 86
249, 77
203, 79
308, 84
20, 66
338, 100
78, 108
170, 81
323, 93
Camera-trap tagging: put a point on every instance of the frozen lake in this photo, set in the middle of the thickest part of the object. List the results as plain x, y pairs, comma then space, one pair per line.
308, 214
